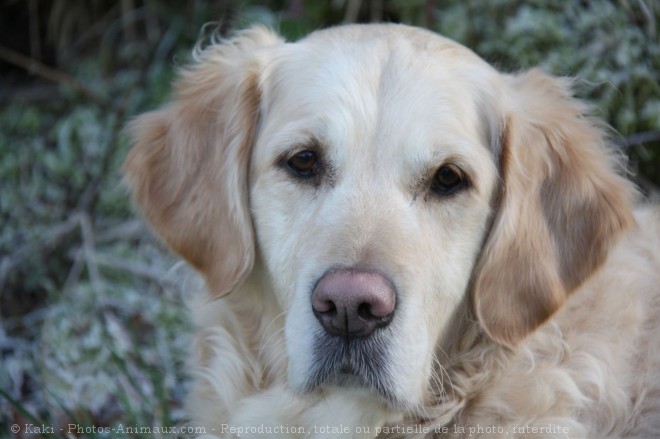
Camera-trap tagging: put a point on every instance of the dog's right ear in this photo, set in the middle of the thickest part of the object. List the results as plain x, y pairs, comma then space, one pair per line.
188, 166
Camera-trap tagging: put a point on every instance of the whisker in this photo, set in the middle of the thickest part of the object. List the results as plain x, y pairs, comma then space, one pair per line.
443, 371
267, 338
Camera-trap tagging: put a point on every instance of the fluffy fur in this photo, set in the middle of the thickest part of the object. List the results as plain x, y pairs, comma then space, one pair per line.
528, 302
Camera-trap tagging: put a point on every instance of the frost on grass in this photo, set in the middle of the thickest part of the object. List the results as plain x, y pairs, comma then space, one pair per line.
117, 351
108, 350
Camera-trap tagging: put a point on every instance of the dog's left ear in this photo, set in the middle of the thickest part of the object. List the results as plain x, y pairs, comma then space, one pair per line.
561, 208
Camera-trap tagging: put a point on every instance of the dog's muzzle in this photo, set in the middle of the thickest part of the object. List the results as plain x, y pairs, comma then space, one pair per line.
354, 307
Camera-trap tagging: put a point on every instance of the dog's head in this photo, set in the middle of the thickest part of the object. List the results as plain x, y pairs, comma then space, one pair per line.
385, 180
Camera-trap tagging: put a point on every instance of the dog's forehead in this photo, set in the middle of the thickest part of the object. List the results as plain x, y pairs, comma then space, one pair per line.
382, 80
377, 59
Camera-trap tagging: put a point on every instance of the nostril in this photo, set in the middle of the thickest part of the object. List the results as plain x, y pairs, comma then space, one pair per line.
326, 307
381, 303
364, 311
322, 303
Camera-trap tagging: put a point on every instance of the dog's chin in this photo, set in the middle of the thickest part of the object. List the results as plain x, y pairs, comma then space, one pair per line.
359, 366
355, 384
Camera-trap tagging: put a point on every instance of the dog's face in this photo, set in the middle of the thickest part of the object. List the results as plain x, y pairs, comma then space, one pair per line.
388, 183
372, 157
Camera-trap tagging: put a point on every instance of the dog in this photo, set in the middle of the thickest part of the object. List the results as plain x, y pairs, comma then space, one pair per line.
398, 240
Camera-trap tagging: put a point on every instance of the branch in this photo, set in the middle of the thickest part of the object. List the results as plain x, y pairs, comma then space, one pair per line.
135, 268
640, 138
352, 11
48, 239
35, 67
89, 252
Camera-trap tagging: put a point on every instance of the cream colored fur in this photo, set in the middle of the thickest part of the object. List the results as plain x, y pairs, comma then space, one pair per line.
528, 301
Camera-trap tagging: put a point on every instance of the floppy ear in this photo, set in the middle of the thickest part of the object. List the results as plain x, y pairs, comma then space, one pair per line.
188, 166
561, 208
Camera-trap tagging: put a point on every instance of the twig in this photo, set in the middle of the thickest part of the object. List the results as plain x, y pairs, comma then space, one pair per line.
50, 238
76, 270
352, 11
128, 25
376, 11
49, 73
134, 268
640, 138
89, 252
5, 264
649, 16
125, 230
35, 43
429, 14
89, 196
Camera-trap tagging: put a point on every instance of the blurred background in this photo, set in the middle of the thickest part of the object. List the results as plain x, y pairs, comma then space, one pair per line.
92, 319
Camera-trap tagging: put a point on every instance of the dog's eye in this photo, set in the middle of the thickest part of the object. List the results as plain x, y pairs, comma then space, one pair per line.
304, 163
447, 180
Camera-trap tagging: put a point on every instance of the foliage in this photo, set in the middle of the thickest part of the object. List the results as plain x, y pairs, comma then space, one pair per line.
612, 48
92, 320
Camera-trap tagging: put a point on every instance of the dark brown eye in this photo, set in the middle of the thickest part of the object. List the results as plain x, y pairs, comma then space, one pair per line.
303, 163
447, 180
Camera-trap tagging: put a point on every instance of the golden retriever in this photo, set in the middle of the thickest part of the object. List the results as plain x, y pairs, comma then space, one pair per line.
397, 240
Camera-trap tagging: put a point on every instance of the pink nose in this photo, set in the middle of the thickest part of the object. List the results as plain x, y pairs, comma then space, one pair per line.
353, 303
